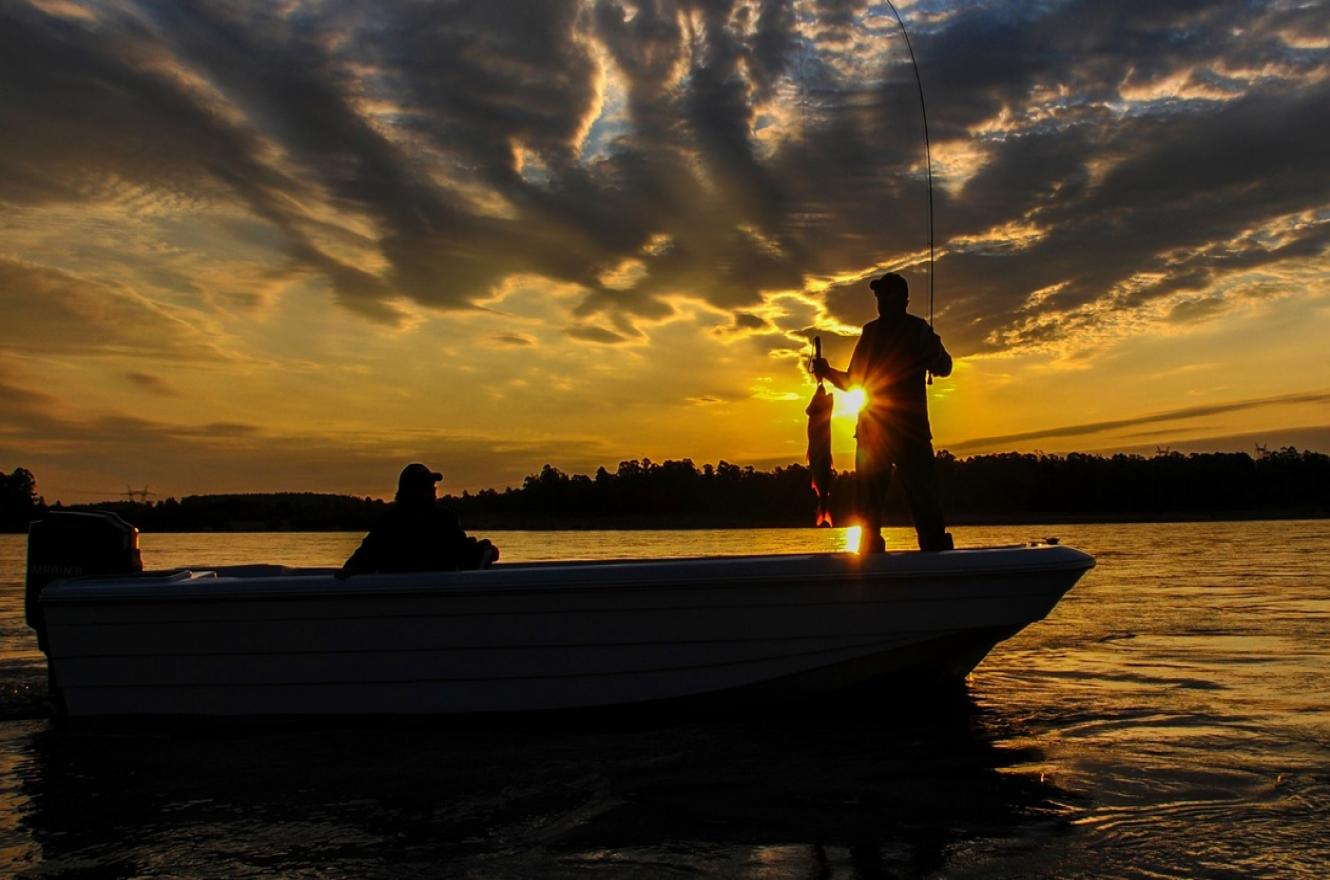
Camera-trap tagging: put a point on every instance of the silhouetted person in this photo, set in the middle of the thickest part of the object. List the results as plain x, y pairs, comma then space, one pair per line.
890, 364
415, 534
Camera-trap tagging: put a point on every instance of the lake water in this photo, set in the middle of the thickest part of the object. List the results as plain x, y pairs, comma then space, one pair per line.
1170, 718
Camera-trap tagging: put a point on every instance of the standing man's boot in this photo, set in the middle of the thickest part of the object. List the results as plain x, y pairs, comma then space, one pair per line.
871, 541
938, 544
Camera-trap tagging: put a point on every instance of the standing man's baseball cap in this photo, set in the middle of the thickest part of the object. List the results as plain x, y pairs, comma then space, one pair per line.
890, 283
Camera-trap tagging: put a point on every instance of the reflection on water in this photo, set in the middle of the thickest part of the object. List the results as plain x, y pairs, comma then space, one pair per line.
1170, 718
776, 797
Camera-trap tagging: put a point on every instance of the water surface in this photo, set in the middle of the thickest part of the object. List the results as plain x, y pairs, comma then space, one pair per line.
1170, 718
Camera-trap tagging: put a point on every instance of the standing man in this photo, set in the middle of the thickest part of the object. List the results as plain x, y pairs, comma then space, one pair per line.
890, 364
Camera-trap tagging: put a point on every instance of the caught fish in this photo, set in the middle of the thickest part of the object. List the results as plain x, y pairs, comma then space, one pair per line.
819, 445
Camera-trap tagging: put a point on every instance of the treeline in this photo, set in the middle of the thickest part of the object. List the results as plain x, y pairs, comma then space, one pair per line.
673, 494
1009, 486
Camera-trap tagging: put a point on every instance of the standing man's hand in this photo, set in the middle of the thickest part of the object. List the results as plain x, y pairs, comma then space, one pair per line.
824, 370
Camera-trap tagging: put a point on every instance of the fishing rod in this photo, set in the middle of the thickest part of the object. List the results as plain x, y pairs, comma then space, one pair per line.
928, 156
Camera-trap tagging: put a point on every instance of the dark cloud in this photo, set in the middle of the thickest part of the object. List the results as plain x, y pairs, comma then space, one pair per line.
515, 340
153, 383
595, 334
835, 347
1187, 181
91, 105
18, 400
472, 141
1004, 441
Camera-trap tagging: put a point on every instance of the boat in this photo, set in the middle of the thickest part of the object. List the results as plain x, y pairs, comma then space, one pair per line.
270, 640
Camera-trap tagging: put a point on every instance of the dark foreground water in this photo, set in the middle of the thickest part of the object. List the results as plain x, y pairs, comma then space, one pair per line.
1170, 718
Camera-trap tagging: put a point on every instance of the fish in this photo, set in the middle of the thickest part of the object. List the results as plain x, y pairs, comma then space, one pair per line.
819, 445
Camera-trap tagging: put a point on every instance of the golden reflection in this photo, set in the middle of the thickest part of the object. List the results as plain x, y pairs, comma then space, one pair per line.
848, 403
852, 539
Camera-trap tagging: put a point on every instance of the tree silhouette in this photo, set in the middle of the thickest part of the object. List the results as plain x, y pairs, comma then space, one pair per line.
19, 501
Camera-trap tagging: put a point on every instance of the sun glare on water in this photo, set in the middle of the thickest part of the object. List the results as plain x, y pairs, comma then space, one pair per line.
849, 403
852, 539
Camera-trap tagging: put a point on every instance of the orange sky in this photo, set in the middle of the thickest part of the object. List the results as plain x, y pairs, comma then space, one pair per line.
294, 246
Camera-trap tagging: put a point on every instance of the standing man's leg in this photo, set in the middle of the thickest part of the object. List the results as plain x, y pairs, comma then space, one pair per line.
918, 473
872, 472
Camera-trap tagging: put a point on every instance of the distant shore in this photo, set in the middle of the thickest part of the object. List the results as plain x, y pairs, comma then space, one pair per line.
998, 489
530, 523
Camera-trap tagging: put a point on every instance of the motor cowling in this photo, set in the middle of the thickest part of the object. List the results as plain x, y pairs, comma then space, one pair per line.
70, 543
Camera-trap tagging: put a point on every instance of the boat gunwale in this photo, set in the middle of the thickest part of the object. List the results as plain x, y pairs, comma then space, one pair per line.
96, 589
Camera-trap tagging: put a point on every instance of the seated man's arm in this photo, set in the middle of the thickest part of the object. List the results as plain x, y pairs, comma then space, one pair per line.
365, 560
464, 551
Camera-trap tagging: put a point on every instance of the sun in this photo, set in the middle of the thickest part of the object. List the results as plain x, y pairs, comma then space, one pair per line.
850, 402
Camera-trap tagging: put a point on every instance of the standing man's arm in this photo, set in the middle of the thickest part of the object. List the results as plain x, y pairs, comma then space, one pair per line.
939, 361
842, 379
942, 362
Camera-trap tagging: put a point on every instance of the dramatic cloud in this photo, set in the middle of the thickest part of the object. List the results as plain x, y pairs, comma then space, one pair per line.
501, 204
427, 151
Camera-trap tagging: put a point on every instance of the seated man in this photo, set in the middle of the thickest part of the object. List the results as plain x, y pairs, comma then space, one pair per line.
417, 535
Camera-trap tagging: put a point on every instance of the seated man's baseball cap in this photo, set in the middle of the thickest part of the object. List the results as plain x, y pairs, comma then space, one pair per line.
416, 474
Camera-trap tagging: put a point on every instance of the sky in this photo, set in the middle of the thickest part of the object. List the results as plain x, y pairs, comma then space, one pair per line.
296, 244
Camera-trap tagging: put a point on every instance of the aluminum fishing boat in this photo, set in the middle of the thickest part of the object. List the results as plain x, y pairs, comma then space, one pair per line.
266, 640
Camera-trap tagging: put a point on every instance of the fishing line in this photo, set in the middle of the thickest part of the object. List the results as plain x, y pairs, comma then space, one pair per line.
928, 154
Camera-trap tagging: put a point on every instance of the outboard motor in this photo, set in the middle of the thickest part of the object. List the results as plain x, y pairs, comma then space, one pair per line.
73, 544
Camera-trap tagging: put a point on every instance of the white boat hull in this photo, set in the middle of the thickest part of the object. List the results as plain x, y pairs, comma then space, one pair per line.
260, 640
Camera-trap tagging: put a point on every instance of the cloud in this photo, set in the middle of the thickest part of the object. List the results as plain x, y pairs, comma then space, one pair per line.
51, 312
86, 455
595, 334
458, 140
746, 324
514, 340
1192, 412
1315, 438
1135, 200
428, 151
20, 401
152, 383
